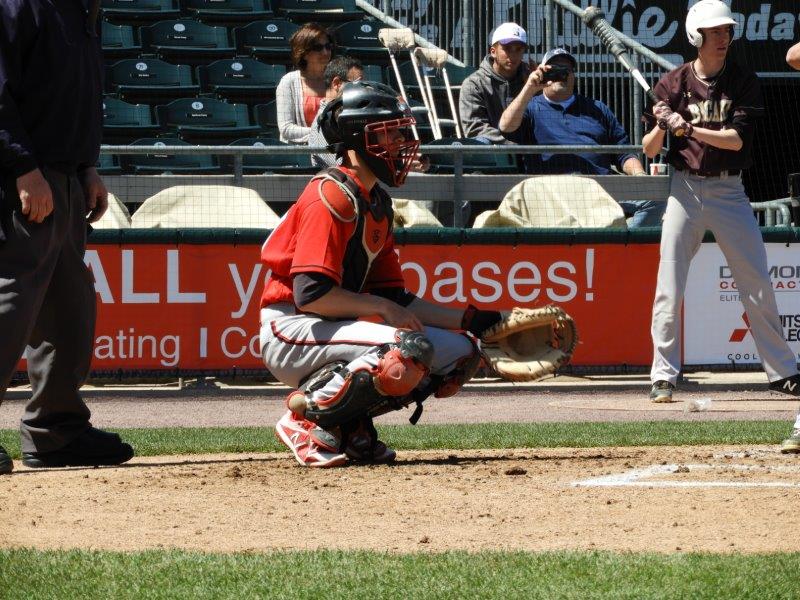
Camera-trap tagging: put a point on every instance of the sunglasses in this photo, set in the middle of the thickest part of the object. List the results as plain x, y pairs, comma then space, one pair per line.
320, 47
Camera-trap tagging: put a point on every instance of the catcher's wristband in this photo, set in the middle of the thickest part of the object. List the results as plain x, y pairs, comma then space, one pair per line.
477, 321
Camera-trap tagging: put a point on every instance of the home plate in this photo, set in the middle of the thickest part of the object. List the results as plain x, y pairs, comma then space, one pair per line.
701, 476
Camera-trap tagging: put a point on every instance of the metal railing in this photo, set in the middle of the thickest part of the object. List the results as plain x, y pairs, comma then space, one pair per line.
461, 204
776, 212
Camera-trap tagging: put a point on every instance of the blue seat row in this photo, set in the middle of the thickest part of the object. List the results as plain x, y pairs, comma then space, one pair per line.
192, 42
228, 11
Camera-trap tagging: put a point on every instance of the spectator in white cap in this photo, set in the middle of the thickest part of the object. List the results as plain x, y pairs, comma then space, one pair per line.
559, 116
488, 91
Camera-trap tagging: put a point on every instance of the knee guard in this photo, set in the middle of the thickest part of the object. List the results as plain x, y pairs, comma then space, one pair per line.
401, 367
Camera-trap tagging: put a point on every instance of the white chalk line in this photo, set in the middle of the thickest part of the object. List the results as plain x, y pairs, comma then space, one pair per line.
640, 477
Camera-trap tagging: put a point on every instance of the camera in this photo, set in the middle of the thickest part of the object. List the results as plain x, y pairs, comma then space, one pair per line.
556, 73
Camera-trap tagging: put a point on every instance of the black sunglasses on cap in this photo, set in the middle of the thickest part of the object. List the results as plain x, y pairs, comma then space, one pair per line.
320, 47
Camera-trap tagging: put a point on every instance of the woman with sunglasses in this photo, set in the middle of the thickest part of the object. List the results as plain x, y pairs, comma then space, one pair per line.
300, 92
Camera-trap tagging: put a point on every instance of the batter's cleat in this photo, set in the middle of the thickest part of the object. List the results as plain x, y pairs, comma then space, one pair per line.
311, 446
6, 464
661, 391
92, 448
787, 385
791, 445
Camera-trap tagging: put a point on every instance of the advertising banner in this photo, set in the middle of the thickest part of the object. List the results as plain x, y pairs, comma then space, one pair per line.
187, 307
716, 329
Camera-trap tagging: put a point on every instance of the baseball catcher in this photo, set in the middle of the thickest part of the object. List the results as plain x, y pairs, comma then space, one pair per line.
332, 264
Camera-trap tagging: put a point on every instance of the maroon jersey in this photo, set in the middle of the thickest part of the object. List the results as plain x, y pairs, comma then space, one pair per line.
731, 100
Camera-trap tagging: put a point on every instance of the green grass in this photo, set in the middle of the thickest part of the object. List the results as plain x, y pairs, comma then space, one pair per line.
332, 574
153, 442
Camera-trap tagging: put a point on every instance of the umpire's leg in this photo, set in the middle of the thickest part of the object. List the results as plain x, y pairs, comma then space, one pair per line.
28, 258
61, 343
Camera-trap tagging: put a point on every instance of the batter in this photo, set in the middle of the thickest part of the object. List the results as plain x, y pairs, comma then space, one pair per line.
710, 105
333, 263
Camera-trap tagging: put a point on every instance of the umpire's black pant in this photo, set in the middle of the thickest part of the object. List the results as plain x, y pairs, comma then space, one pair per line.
47, 302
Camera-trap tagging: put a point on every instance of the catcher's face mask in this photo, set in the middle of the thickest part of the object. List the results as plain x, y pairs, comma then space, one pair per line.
393, 143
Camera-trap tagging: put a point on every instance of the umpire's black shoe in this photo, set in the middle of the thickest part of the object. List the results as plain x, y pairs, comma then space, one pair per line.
92, 448
6, 464
787, 385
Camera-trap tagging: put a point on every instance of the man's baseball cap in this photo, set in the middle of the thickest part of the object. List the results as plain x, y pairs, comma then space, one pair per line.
508, 33
551, 54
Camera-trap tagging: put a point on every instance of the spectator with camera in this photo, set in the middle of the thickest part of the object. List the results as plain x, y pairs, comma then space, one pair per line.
559, 116
488, 91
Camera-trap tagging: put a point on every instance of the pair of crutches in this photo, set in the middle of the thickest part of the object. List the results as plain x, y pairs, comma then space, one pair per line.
395, 40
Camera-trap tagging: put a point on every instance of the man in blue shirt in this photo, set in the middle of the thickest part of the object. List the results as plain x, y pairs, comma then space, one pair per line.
559, 116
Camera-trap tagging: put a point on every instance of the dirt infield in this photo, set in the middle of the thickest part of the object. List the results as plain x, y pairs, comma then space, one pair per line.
624, 499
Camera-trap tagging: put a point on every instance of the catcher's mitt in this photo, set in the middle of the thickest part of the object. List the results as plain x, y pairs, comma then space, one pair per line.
529, 343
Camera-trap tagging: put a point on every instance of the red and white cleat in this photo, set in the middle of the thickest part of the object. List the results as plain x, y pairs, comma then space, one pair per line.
312, 446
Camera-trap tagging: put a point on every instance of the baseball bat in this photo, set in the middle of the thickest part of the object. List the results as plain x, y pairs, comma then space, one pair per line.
595, 20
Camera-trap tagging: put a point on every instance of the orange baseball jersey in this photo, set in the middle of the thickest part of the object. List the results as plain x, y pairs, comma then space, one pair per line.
336, 228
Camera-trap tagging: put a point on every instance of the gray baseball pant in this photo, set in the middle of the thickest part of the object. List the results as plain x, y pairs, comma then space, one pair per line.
718, 204
294, 346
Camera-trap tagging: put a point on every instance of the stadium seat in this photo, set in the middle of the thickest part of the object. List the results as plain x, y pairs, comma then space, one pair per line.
266, 117
265, 39
319, 10
135, 12
119, 41
374, 73
123, 122
150, 80
287, 164
205, 206
489, 164
162, 162
360, 39
228, 12
107, 164
240, 79
186, 41
205, 120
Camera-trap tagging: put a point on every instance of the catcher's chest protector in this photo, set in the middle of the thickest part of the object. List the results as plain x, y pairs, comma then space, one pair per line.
374, 218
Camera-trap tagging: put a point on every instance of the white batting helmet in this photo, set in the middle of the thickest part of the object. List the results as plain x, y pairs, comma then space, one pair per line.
704, 15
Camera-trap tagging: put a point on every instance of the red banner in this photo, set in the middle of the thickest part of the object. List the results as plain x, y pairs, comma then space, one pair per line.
167, 307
